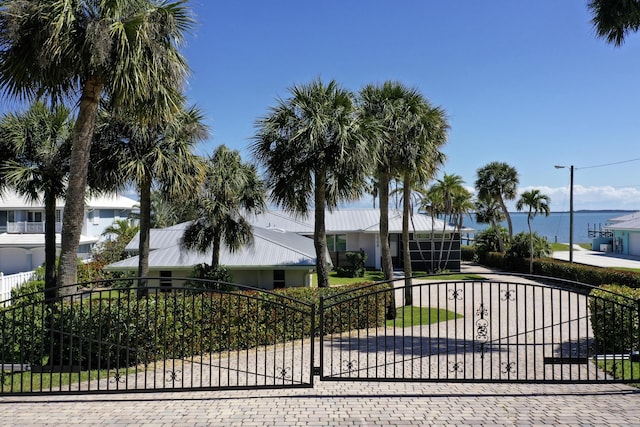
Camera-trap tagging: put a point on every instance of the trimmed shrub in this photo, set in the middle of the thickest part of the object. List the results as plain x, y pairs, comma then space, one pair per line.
123, 331
614, 318
468, 253
356, 267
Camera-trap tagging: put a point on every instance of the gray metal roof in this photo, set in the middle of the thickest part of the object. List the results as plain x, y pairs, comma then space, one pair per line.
626, 217
159, 238
9, 199
632, 224
271, 248
349, 220
35, 240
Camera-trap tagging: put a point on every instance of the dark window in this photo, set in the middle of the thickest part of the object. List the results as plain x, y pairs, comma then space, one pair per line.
165, 281
278, 279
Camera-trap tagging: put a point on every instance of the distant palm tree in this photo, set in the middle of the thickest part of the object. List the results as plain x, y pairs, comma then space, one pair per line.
489, 211
36, 146
131, 151
537, 203
82, 51
315, 153
231, 191
499, 181
122, 229
614, 20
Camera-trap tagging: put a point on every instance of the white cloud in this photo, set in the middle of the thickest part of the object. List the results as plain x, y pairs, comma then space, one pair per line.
591, 198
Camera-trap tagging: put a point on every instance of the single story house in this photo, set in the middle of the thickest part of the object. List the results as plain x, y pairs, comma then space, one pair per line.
626, 234
434, 244
22, 227
276, 259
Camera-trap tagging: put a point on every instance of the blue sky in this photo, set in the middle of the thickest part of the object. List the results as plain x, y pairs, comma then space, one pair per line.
524, 82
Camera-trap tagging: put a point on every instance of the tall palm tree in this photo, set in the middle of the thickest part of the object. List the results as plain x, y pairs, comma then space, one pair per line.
315, 153
615, 19
537, 203
499, 181
37, 144
413, 133
82, 51
231, 191
148, 155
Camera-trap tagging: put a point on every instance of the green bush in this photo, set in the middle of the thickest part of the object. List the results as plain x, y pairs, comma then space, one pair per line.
520, 246
123, 331
468, 253
218, 278
356, 267
614, 318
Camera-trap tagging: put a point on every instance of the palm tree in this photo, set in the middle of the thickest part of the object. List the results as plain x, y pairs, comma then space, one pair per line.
499, 181
613, 20
315, 153
231, 191
123, 229
37, 144
148, 155
450, 200
537, 203
489, 211
82, 51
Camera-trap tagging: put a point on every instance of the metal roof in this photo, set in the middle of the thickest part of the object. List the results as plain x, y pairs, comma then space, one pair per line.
626, 217
34, 240
633, 224
350, 220
271, 248
9, 199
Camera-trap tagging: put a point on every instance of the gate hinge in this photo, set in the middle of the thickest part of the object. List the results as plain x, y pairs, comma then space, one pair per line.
316, 370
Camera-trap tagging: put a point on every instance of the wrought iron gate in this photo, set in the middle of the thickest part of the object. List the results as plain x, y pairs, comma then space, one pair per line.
499, 329
177, 338
502, 329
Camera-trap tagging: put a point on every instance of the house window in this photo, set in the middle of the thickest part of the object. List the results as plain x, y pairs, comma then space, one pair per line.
3, 218
165, 281
96, 217
34, 216
337, 242
58, 215
11, 216
278, 279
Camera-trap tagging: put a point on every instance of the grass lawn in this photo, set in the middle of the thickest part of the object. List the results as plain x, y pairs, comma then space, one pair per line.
415, 316
376, 276
559, 247
624, 369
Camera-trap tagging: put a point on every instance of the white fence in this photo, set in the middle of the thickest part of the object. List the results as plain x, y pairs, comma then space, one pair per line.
9, 282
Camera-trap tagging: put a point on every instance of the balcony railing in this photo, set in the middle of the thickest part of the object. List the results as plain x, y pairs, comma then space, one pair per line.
29, 227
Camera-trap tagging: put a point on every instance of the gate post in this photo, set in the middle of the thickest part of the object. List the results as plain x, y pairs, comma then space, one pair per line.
317, 370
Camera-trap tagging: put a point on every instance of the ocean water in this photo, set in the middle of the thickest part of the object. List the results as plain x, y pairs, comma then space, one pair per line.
555, 227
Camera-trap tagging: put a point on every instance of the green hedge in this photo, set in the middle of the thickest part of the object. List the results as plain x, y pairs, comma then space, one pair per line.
124, 331
614, 318
590, 275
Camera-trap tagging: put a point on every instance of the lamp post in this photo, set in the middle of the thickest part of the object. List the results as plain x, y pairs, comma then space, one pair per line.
570, 211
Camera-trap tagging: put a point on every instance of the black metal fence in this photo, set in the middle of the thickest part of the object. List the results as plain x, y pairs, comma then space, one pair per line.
109, 337
507, 329
110, 340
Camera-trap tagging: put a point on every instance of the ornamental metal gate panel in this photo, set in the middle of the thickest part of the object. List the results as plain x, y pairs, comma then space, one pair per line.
205, 336
501, 329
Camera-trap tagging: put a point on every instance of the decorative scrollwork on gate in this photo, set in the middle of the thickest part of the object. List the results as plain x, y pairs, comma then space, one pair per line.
285, 373
350, 365
456, 366
455, 294
116, 377
173, 376
508, 367
508, 294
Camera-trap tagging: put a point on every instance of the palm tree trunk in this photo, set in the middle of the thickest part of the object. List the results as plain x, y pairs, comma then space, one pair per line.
145, 228
530, 243
387, 262
508, 217
50, 245
320, 233
383, 194
406, 202
215, 249
74, 204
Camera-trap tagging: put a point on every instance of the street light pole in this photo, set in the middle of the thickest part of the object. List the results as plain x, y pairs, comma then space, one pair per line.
570, 211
